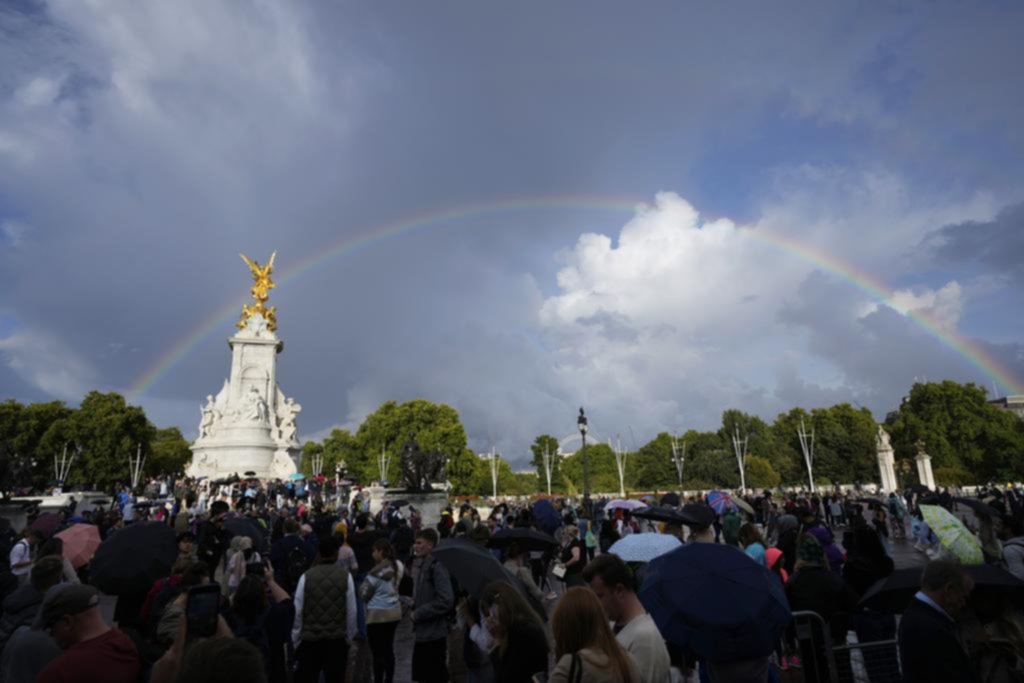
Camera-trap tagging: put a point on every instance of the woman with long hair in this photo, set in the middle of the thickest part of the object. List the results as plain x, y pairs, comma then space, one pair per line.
379, 591
263, 613
752, 543
585, 647
520, 644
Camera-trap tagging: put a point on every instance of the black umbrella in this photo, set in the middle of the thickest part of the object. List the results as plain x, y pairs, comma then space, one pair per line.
978, 506
472, 565
397, 503
893, 593
919, 489
671, 499
243, 526
663, 514
250, 474
133, 558
526, 539
698, 514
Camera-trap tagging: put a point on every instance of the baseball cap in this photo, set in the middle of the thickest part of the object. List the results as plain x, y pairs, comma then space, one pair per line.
63, 600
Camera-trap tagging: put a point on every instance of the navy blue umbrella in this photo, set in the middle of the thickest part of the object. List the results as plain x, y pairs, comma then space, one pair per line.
715, 601
546, 516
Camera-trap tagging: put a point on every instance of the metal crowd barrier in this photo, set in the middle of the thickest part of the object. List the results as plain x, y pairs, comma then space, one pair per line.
825, 662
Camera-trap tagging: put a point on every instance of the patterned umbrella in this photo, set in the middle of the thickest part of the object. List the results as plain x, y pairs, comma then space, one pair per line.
952, 534
80, 543
720, 502
644, 547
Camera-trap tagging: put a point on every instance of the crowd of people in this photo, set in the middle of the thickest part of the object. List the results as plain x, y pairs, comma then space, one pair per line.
314, 575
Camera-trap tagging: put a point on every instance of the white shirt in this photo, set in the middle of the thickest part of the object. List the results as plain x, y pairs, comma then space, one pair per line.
21, 552
642, 639
350, 610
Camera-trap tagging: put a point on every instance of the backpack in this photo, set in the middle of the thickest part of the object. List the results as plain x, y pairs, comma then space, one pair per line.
295, 566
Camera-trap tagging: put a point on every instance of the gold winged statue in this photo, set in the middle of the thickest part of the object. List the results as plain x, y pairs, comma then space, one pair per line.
262, 284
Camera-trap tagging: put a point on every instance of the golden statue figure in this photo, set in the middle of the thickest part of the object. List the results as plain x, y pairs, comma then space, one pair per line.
262, 284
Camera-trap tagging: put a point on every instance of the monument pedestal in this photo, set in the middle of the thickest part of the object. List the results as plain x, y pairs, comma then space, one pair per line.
250, 425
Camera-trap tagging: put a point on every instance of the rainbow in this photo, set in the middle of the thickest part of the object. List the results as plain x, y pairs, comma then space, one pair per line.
877, 290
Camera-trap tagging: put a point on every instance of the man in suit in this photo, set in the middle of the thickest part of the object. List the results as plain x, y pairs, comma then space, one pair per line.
930, 647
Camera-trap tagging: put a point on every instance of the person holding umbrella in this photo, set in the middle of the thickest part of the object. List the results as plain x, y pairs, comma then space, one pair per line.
930, 648
613, 584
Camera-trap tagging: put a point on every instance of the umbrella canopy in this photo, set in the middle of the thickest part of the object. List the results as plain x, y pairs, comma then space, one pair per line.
46, 524
133, 558
893, 593
671, 499
698, 514
620, 504
713, 600
472, 565
243, 526
250, 473
644, 547
721, 502
743, 505
397, 503
952, 534
919, 489
978, 506
80, 543
526, 539
296, 476
663, 514
546, 516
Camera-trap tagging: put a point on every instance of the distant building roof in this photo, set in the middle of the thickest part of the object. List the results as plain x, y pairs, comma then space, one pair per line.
1015, 404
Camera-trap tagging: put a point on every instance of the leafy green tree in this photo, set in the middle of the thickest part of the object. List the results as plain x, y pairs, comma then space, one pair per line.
760, 473
432, 427
603, 474
654, 467
464, 472
171, 453
108, 431
710, 462
961, 430
550, 444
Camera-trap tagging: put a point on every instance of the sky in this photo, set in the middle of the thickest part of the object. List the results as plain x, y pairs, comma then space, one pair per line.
656, 212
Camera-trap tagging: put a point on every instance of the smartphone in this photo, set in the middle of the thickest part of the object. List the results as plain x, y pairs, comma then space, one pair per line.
201, 611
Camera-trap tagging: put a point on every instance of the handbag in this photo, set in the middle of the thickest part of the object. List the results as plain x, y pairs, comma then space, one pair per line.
559, 571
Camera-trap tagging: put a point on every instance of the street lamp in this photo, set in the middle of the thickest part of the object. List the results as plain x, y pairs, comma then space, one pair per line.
581, 423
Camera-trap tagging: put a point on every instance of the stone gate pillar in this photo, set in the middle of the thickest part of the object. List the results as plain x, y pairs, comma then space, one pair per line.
924, 466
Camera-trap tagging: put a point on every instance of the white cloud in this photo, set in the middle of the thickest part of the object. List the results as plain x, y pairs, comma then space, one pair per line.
945, 304
48, 364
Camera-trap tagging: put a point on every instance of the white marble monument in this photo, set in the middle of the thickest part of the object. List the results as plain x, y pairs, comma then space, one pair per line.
886, 462
249, 426
924, 466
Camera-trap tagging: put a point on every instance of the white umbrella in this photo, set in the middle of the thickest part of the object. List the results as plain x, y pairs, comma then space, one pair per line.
625, 505
644, 547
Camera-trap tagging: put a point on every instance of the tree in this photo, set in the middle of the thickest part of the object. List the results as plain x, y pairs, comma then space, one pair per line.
760, 473
654, 467
961, 430
604, 477
710, 462
546, 442
171, 453
108, 431
432, 427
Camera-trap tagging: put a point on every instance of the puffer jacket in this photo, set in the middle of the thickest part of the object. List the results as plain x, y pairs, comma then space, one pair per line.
20, 609
379, 591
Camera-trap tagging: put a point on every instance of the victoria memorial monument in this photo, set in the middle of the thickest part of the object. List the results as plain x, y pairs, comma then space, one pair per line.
249, 426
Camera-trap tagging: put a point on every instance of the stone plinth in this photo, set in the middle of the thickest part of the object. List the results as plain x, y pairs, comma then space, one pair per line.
249, 425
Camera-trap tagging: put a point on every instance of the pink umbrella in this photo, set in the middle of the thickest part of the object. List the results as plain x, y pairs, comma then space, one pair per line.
80, 543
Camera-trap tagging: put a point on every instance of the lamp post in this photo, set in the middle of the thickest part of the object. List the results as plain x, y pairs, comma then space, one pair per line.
581, 423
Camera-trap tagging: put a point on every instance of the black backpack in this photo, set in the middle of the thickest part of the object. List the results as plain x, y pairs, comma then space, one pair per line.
295, 566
